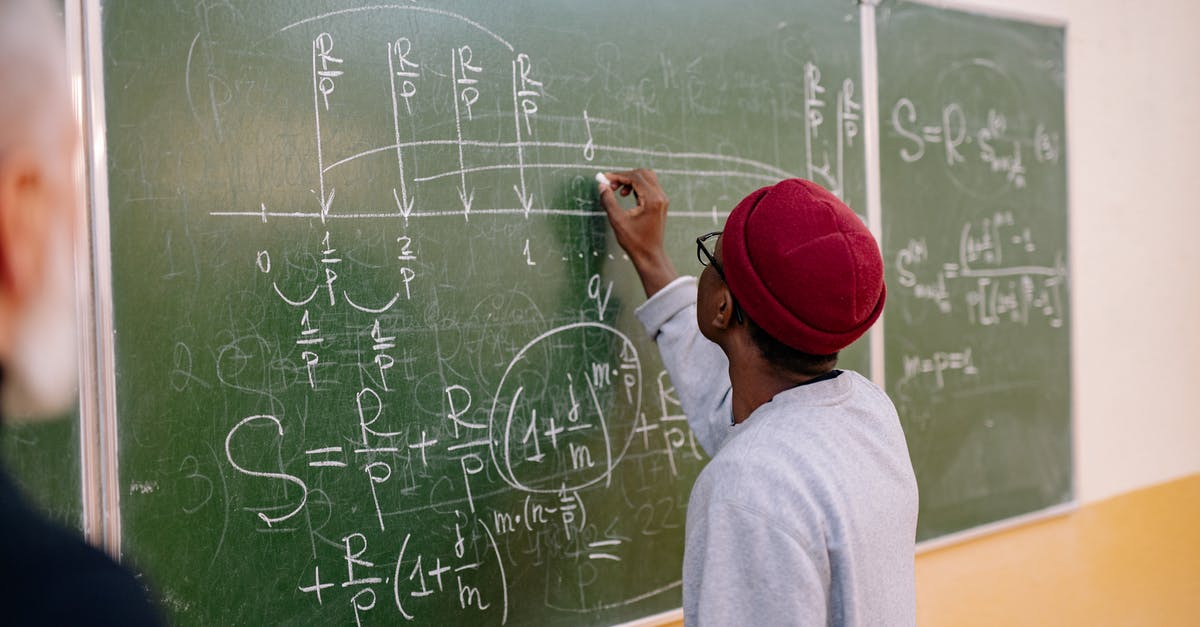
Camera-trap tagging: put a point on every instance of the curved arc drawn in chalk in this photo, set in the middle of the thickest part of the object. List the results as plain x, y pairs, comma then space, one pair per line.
505, 469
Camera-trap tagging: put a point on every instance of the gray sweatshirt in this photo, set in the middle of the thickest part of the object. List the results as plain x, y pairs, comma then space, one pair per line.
807, 512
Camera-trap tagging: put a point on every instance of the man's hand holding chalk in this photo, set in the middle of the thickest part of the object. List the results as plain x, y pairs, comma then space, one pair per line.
639, 230
625, 189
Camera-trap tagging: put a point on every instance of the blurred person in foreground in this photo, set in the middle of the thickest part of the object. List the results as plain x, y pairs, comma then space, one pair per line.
48, 575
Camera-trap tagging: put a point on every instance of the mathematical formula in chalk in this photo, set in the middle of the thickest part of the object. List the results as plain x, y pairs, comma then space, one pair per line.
991, 280
549, 436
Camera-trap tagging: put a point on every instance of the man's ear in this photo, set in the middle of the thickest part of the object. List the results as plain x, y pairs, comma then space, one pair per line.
723, 318
24, 220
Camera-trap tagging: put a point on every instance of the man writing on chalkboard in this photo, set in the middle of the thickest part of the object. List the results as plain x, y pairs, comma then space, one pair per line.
48, 576
807, 512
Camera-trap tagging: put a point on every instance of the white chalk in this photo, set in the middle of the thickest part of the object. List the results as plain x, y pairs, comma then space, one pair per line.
603, 180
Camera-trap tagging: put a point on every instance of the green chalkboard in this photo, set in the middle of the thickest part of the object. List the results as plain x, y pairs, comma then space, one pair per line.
43, 458
977, 333
376, 356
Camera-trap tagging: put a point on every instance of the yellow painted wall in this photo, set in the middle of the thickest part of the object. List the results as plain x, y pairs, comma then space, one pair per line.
1129, 560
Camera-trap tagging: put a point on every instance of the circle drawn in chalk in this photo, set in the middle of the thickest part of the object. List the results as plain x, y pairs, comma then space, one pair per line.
981, 115
563, 414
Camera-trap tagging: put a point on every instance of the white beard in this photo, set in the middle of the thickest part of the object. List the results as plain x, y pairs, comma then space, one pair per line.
41, 376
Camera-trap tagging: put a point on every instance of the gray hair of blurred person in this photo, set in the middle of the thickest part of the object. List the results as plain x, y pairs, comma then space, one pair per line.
38, 199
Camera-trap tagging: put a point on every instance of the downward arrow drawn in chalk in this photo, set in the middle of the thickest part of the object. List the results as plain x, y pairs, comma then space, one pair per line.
405, 206
526, 201
466, 199
327, 203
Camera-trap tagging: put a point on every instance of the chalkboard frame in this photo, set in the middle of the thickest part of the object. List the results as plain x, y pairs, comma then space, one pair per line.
874, 184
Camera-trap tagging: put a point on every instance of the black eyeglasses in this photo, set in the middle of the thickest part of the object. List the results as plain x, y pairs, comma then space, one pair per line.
706, 258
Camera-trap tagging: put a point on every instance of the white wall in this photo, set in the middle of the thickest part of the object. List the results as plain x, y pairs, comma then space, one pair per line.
1133, 120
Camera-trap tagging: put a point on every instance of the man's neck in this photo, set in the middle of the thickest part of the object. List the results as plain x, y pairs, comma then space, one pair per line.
754, 380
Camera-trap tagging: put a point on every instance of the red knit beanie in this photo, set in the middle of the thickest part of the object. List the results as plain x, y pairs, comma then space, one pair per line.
803, 266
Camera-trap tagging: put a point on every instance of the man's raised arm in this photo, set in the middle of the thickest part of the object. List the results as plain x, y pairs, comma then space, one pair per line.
699, 368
